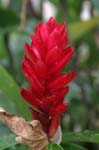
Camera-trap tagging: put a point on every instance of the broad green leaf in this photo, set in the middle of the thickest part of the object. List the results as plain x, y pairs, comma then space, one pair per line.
54, 147
20, 147
8, 19
69, 146
11, 90
7, 141
12, 144
85, 136
7, 104
78, 29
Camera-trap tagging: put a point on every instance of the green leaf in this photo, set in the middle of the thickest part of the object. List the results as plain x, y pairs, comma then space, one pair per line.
7, 141
69, 146
78, 29
2, 48
11, 90
20, 147
96, 4
85, 136
54, 147
7, 104
8, 19
74, 91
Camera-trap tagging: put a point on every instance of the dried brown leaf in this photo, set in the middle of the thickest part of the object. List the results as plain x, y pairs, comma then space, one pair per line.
28, 133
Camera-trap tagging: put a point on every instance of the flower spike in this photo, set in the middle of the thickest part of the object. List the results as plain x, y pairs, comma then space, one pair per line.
45, 58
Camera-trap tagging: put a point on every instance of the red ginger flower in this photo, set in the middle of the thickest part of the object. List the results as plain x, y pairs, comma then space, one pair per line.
46, 56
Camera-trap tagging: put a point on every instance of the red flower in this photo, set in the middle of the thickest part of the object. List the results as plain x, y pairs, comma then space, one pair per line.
48, 53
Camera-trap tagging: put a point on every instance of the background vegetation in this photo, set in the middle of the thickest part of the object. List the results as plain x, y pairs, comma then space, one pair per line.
80, 124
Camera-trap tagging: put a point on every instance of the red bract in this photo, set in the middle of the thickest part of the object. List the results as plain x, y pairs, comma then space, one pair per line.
46, 56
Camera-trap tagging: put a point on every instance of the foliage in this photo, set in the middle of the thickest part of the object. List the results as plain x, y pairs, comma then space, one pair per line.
83, 97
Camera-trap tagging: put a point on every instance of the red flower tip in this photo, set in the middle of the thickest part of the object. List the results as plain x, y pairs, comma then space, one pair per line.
45, 58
